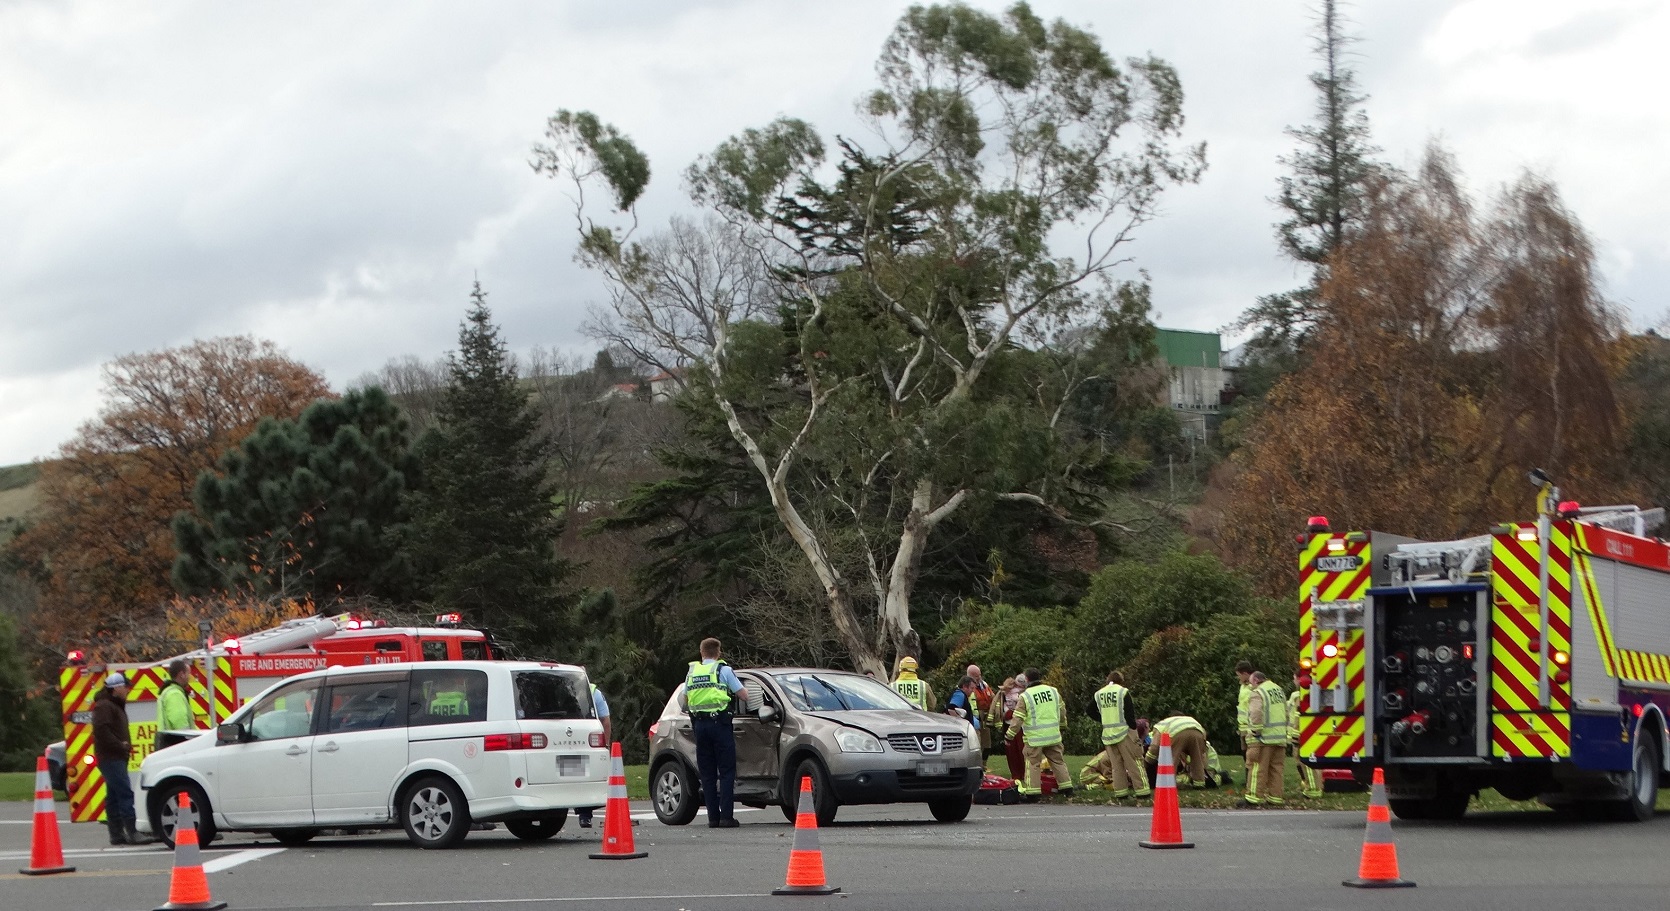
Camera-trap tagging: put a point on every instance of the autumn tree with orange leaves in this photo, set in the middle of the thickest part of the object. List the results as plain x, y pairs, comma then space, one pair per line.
100, 545
1459, 347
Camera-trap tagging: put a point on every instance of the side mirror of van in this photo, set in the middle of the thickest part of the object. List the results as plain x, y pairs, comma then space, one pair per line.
230, 732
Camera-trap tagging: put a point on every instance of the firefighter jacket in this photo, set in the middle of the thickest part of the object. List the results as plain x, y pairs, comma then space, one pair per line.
1173, 725
1038, 715
1267, 713
1114, 711
1241, 700
1293, 701
914, 689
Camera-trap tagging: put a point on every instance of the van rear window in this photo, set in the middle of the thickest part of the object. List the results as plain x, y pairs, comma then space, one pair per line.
552, 695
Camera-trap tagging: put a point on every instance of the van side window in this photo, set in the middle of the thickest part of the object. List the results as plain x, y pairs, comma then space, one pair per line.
434, 650
285, 712
366, 706
447, 696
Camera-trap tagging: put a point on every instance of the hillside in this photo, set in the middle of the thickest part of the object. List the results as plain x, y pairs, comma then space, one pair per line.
17, 496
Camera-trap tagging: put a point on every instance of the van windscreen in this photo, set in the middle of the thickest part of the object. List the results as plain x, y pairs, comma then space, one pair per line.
552, 695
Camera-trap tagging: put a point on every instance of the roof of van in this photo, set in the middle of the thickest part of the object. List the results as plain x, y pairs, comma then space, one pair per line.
451, 665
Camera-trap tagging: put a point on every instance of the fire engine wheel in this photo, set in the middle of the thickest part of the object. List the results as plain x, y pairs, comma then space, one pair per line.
434, 813
537, 829
1643, 779
674, 793
165, 811
1408, 807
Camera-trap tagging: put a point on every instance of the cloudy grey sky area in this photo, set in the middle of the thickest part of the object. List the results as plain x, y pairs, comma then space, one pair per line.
332, 176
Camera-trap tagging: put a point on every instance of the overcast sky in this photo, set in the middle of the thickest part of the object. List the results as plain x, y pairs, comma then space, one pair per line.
332, 176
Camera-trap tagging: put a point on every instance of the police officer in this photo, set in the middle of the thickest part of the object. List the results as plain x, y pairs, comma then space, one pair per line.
1038, 716
599, 707
1310, 780
1267, 721
1121, 759
709, 688
913, 688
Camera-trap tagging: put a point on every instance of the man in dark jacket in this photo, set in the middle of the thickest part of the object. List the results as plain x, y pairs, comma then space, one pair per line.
112, 748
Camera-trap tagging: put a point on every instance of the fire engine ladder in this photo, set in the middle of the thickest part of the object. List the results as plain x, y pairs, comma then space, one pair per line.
1628, 519
291, 634
1439, 561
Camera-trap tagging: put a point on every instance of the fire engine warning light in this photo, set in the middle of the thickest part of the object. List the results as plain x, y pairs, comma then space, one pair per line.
1330, 650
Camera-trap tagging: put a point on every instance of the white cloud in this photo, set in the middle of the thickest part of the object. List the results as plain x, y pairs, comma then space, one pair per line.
334, 175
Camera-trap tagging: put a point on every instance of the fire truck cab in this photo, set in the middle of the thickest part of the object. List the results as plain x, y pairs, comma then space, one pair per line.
1534, 660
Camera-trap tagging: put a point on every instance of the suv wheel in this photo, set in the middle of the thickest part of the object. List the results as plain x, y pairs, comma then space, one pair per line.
824, 803
165, 810
673, 792
951, 809
434, 813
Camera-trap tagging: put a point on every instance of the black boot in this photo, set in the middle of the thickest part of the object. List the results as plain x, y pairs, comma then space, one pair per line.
134, 837
117, 836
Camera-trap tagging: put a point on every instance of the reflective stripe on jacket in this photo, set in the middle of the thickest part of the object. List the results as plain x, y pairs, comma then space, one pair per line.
1110, 700
913, 689
1267, 714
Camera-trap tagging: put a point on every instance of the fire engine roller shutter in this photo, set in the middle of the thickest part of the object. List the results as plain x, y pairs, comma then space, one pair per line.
1520, 727
1324, 733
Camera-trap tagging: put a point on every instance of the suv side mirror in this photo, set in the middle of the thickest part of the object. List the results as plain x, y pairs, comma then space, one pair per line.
230, 732
768, 713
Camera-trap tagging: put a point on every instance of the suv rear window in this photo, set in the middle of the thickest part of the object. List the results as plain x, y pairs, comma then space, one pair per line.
552, 695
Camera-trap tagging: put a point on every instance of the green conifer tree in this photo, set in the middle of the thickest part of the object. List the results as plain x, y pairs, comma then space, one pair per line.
484, 525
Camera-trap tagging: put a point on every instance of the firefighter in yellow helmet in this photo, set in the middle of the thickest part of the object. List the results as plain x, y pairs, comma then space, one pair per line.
915, 690
1267, 723
1310, 780
1039, 715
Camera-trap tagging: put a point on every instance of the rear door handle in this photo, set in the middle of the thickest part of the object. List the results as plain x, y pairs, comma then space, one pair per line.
329, 747
295, 750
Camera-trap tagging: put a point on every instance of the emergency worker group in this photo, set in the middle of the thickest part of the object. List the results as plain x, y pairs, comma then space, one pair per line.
1031, 714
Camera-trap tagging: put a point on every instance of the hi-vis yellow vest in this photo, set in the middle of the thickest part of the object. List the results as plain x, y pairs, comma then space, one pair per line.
1043, 715
1275, 713
914, 691
1110, 700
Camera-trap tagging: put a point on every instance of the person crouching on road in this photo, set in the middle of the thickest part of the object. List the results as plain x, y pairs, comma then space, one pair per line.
1121, 756
913, 688
1188, 748
1038, 716
709, 689
1267, 718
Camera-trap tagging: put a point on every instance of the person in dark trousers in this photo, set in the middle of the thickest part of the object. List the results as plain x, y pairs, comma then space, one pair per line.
600, 706
111, 749
710, 688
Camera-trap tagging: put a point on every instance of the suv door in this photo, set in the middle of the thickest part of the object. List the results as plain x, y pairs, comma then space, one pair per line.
756, 740
360, 750
267, 780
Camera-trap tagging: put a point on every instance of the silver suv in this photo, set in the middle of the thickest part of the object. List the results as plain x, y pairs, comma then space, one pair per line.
858, 740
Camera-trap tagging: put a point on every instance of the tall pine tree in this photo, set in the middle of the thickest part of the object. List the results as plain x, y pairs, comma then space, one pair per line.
1323, 195
484, 525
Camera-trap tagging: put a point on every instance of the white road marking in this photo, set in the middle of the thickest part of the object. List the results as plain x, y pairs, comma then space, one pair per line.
589, 898
29, 822
240, 857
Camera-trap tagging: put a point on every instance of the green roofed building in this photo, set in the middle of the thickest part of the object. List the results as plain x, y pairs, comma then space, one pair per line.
1198, 378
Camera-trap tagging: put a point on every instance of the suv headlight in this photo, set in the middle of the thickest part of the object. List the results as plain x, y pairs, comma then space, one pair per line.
852, 740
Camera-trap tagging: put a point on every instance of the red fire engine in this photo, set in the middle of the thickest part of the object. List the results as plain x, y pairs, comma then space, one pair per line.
228, 673
1534, 660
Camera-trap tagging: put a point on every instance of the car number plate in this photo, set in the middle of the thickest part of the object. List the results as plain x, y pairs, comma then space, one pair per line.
571, 766
933, 768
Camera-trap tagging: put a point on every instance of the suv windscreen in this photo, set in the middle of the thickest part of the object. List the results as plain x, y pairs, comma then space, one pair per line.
552, 695
835, 692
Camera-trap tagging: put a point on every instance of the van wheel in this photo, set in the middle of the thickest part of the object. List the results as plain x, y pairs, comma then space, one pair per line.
537, 829
434, 813
674, 793
293, 837
1643, 780
165, 811
950, 809
824, 803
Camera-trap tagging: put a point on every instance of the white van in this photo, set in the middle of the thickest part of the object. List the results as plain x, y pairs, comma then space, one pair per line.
432, 747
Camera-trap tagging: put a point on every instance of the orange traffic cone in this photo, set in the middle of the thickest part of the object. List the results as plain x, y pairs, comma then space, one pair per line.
1378, 867
188, 889
617, 814
805, 857
1166, 830
46, 852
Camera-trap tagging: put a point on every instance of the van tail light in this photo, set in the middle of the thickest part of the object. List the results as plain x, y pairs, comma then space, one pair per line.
494, 743
595, 738
654, 729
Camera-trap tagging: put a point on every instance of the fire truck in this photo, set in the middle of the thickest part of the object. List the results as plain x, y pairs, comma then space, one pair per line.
228, 673
1534, 660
